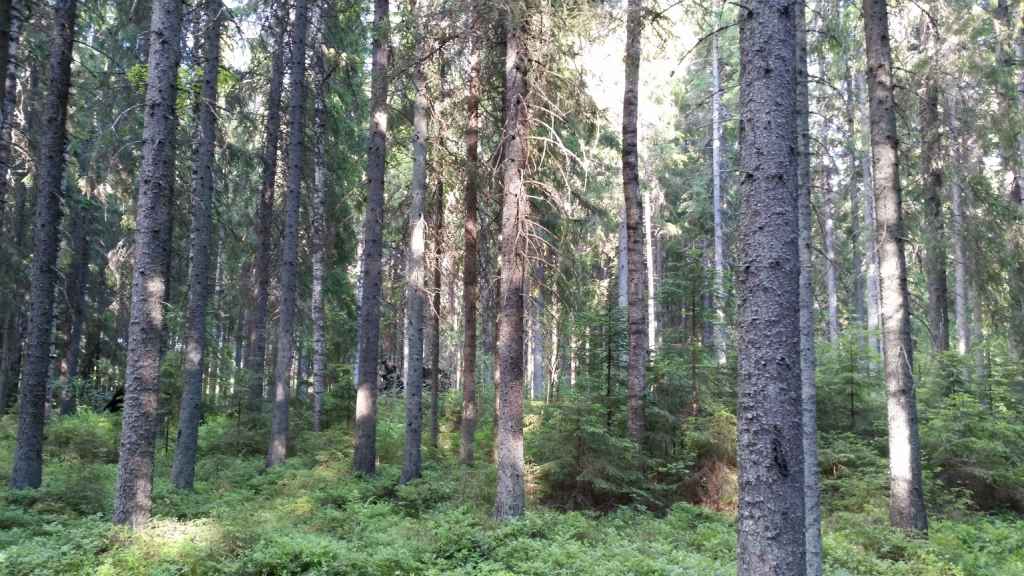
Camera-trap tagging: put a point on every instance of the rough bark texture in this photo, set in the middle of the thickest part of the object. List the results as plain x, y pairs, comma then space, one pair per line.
770, 449
318, 217
906, 496
510, 500
365, 459
77, 280
208, 25
416, 294
28, 453
718, 294
871, 281
255, 364
132, 500
935, 241
808, 385
435, 315
638, 344
470, 279
288, 273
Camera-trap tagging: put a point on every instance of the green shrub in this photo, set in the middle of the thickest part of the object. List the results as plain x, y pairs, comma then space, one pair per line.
84, 437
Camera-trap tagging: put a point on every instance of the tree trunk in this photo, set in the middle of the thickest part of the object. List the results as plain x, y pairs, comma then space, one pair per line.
132, 500
906, 497
77, 280
537, 333
207, 27
853, 191
470, 279
318, 213
871, 281
718, 293
934, 233
638, 344
9, 54
28, 453
808, 385
510, 500
415, 288
287, 276
365, 459
256, 363
435, 316
831, 268
770, 448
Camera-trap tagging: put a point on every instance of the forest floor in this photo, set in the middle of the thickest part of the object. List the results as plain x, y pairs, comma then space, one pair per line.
311, 516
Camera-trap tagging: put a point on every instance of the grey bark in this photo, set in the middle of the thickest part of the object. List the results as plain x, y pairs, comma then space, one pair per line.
318, 215
207, 28
770, 448
871, 280
365, 459
537, 348
435, 315
906, 493
415, 287
831, 268
132, 501
718, 294
855, 194
287, 275
510, 500
637, 317
77, 280
18, 13
935, 241
27, 471
256, 362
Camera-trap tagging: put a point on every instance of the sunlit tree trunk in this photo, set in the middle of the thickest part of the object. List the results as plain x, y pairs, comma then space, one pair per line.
28, 453
537, 348
132, 501
906, 492
718, 294
435, 315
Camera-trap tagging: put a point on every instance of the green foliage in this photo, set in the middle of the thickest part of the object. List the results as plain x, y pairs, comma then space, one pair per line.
88, 437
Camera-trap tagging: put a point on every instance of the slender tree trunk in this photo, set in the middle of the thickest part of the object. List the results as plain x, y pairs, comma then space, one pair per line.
416, 294
718, 293
365, 459
510, 501
650, 267
854, 192
831, 267
288, 273
28, 453
9, 55
935, 242
132, 500
537, 306
435, 316
638, 344
961, 280
770, 449
470, 279
207, 27
77, 280
871, 280
318, 214
256, 363
808, 385
906, 497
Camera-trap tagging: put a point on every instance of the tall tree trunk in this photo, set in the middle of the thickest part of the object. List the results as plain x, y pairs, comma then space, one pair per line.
28, 453
416, 288
510, 501
871, 280
365, 459
770, 449
256, 363
906, 493
718, 293
853, 191
638, 344
435, 316
935, 241
132, 500
288, 273
470, 278
961, 280
77, 280
808, 385
831, 267
318, 213
9, 53
537, 372
207, 27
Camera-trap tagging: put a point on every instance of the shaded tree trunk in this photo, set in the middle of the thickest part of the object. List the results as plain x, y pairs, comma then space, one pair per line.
906, 497
537, 305
770, 448
288, 273
77, 280
365, 459
256, 363
934, 233
207, 28
32, 393
638, 329
318, 214
831, 267
435, 315
132, 501
871, 280
510, 500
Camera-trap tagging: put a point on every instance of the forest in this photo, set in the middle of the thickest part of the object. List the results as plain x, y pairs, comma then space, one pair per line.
512, 287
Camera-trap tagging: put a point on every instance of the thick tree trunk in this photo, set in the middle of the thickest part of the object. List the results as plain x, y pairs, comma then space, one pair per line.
770, 449
256, 362
288, 273
935, 241
808, 385
510, 501
132, 500
28, 453
470, 279
416, 294
77, 280
638, 334
207, 28
365, 459
318, 215
718, 293
906, 496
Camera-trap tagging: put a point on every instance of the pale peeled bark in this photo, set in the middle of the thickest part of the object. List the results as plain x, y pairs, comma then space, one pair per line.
906, 492
718, 294
956, 193
831, 269
133, 492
